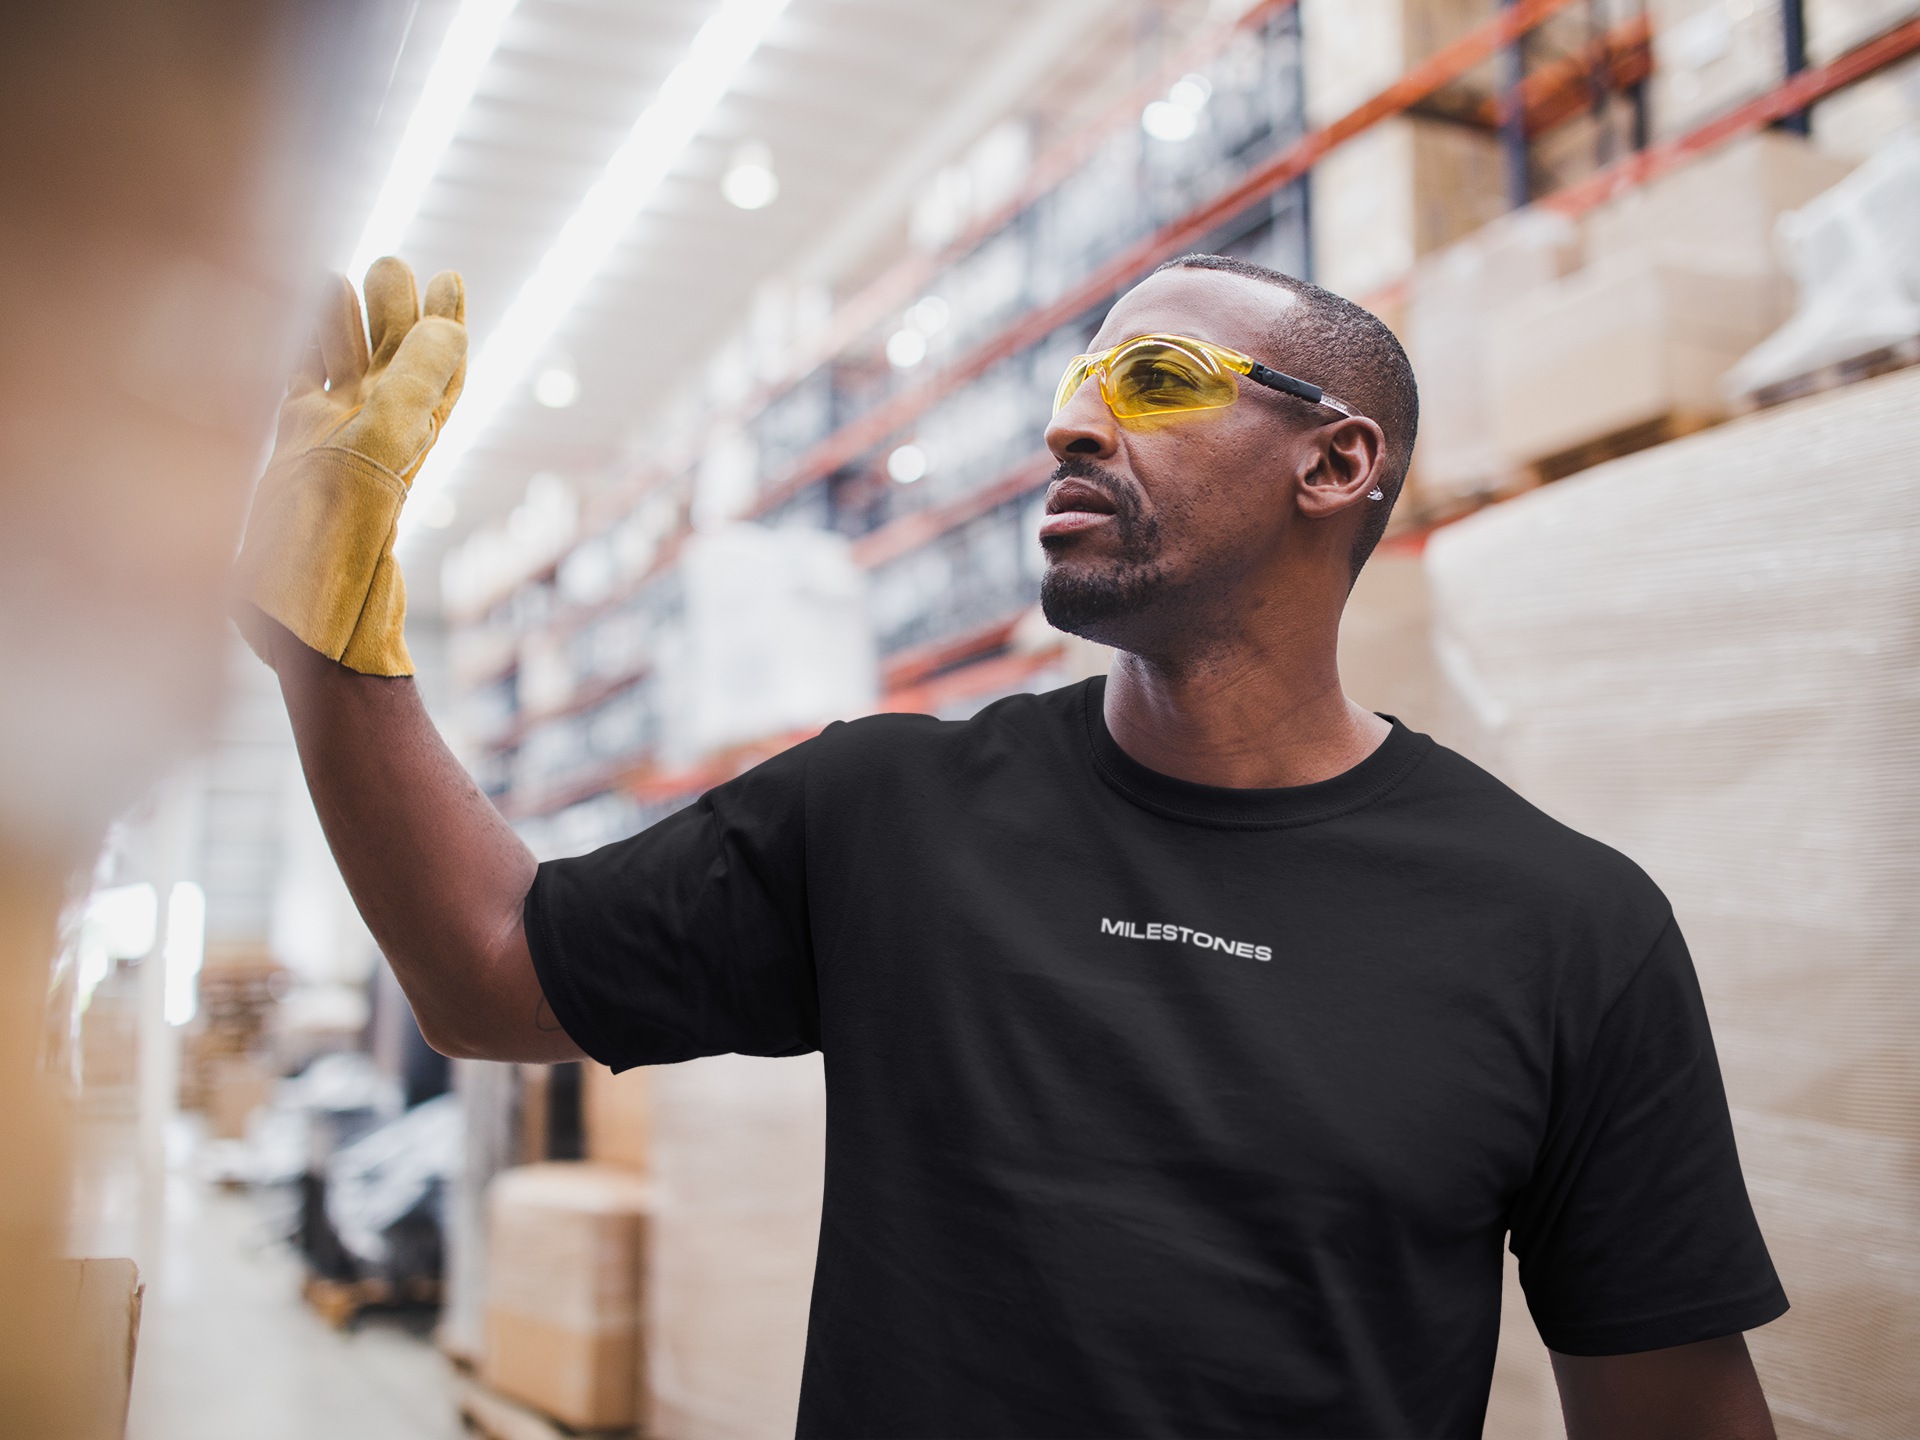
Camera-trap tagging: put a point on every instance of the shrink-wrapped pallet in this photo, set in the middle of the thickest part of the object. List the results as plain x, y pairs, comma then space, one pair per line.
1708, 655
777, 637
490, 1109
739, 1146
565, 1255
1853, 255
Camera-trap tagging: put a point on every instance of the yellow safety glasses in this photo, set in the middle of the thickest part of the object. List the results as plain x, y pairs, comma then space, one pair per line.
1156, 375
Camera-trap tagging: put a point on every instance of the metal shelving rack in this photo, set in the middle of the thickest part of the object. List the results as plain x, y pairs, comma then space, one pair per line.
830, 421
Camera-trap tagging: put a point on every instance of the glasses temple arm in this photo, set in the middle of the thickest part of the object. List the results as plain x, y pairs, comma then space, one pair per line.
1286, 384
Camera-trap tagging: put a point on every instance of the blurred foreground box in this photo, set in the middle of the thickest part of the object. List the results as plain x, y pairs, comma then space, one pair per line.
566, 1245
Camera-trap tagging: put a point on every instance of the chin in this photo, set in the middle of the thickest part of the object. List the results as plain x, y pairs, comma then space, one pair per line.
1101, 603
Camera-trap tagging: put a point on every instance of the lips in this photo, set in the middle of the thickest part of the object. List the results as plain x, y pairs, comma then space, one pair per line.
1074, 505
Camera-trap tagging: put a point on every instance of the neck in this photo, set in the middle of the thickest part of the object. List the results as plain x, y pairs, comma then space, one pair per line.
1258, 709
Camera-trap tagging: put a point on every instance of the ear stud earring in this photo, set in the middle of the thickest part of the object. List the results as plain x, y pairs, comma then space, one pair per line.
1376, 493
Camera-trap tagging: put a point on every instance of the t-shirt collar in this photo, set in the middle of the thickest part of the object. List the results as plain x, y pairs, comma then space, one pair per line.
1200, 804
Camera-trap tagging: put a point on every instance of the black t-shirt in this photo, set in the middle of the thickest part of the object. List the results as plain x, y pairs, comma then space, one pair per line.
1162, 1109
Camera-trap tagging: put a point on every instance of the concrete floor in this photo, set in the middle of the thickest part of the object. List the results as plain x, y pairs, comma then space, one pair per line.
227, 1349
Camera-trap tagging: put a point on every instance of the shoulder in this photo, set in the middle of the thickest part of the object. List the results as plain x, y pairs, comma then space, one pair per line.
1018, 726
1512, 847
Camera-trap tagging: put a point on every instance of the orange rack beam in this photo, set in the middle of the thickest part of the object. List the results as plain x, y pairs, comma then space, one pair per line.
1445, 66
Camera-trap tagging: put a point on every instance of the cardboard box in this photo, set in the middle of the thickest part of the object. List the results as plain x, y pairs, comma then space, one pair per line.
619, 1116
1854, 122
1622, 345
1708, 57
1721, 210
1837, 26
1448, 304
1353, 49
564, 1267
1393, 194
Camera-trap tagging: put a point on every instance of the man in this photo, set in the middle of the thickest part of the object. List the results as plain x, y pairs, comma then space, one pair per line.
1194, 1039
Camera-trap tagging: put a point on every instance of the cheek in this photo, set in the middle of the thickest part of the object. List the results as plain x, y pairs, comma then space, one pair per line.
1210, 485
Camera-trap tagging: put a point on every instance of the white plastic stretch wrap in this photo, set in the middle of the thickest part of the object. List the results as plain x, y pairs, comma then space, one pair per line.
1708, 656
738, 1150
1854, 257
778, 638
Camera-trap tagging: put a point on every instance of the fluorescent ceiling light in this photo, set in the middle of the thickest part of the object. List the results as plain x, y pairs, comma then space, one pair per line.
750, 183
471, 40
906, 349
645, 158
1175, 118
556, 387
907, 464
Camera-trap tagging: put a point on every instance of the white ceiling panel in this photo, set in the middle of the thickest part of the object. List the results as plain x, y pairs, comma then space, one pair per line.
844, 92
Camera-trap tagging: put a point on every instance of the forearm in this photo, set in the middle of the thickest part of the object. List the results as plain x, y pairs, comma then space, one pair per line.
1704, 1391
438, 875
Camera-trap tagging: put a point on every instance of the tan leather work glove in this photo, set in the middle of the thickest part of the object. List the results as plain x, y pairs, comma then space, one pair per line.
355, 427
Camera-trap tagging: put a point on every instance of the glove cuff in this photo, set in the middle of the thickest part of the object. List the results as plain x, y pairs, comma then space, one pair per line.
318, 557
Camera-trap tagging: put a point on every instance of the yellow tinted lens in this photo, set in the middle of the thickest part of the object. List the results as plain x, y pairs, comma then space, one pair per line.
1071, 382
1155, 378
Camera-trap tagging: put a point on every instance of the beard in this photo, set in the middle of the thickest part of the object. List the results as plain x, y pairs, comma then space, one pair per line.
1088, 596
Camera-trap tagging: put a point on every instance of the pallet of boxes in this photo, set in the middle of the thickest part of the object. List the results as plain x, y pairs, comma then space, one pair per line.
227, 1070
1546, 346
566, 1252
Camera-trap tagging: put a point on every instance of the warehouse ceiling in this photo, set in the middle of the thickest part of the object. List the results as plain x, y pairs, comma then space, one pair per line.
859, 102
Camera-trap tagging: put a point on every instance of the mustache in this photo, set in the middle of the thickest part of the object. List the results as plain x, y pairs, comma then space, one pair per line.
1116, 488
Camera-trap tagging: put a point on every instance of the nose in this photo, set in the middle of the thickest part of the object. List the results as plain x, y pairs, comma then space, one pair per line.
1084, 425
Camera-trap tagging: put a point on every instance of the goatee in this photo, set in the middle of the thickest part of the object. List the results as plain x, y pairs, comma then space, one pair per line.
1084, 596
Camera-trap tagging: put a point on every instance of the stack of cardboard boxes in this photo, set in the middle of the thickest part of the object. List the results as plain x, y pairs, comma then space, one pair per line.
1682, 279
1544, 346
227, 1071
565, 1269
1413, 183
567, 1248
661, 1285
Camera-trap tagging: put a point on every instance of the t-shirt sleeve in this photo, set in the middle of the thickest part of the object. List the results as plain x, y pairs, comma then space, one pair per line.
691, 938
1635, 1232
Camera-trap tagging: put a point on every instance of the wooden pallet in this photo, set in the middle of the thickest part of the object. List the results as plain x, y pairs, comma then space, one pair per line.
1832, 377
340, 1302
494, 1417
1645, 436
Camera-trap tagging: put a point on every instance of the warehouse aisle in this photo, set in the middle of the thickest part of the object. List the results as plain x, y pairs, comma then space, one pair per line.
229, 1352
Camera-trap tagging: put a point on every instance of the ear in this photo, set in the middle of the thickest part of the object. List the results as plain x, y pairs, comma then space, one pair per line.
1343, 469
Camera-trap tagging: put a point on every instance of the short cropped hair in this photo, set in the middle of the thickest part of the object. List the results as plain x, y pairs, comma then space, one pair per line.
1353, 355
